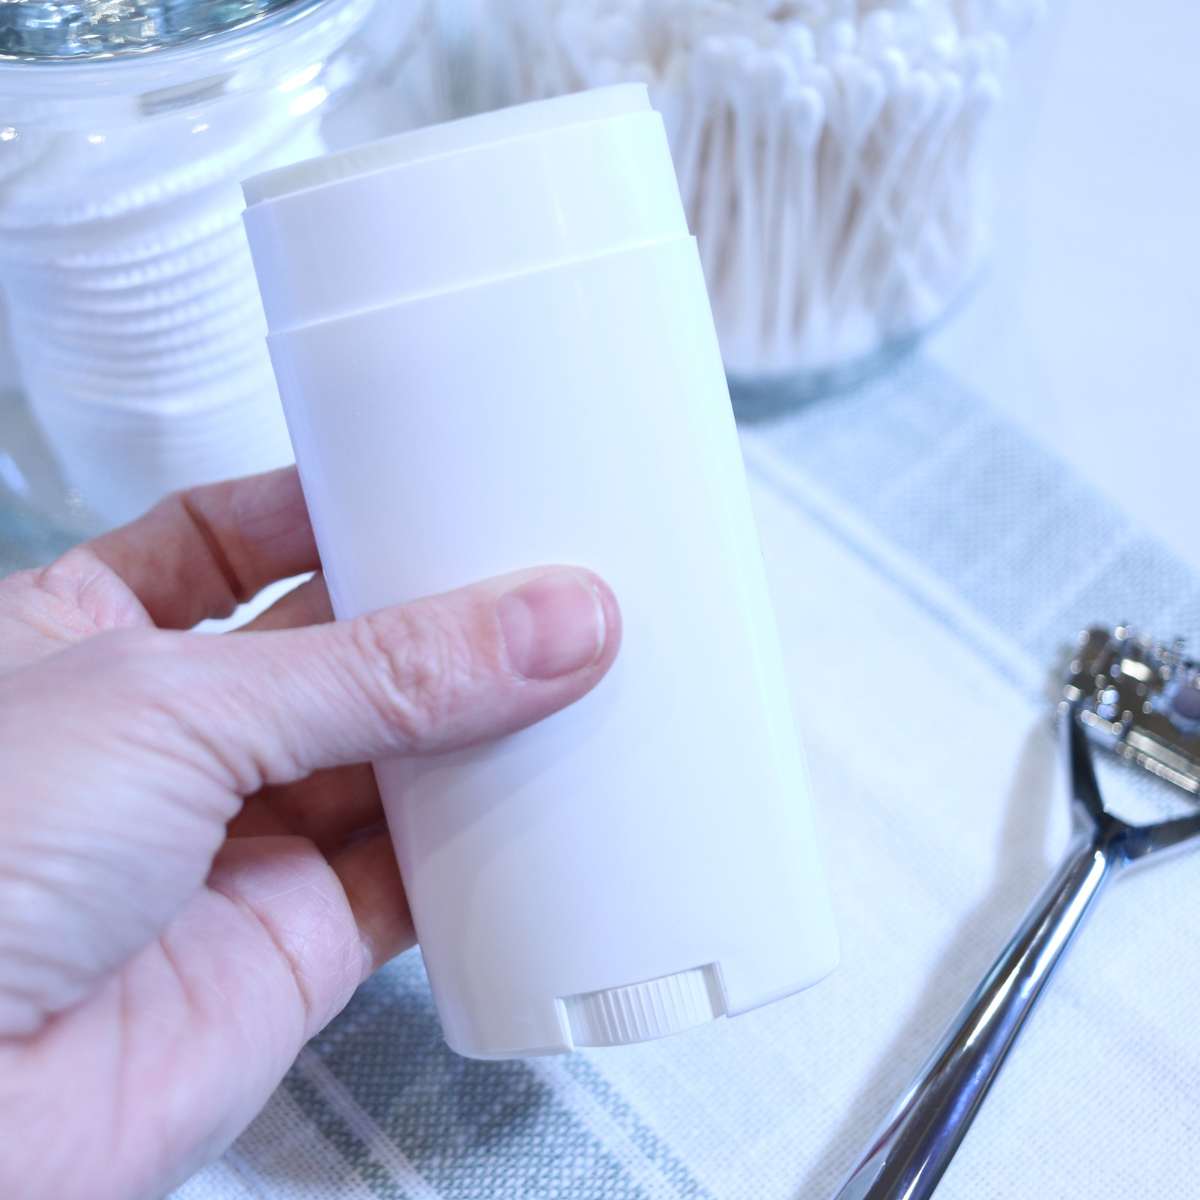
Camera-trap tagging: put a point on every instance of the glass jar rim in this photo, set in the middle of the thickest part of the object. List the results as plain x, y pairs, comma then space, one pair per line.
276, 13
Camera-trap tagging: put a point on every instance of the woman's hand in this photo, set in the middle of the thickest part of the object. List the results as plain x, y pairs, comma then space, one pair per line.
194, 876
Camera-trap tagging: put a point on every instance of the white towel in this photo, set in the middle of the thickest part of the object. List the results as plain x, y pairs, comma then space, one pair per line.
926, 559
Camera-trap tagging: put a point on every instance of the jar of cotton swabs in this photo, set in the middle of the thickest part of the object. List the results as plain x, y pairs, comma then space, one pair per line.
828, 153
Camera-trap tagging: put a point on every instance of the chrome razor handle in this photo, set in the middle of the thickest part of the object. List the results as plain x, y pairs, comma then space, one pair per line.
919, 1138
914, 1147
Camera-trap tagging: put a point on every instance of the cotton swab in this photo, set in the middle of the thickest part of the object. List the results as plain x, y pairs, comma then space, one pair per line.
716, 168
911, 108
747, 105
924, 180
774, 75
804, 114
861, 96
695, 111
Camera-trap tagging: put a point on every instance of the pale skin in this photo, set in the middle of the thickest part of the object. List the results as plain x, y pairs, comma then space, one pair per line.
194, 875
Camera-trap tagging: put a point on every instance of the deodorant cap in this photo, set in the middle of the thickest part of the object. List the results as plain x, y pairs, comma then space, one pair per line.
565, 179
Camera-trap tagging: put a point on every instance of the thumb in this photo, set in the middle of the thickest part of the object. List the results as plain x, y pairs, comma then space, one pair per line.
434, 675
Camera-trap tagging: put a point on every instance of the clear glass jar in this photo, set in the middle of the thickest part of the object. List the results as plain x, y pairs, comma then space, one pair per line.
125, 130
828, 154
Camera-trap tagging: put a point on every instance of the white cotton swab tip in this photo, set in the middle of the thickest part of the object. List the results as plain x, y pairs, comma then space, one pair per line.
916, 99
804, 111
894, 66
775, 74
798, 43
713, 58
864, 94
837, 39
878, 31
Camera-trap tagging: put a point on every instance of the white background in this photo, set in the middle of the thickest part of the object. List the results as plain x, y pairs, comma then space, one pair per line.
1086, 328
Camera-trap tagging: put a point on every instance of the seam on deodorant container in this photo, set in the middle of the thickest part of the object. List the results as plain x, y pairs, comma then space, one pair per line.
485, 281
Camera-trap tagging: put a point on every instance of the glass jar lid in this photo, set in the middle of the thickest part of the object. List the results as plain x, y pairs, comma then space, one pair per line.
74, 30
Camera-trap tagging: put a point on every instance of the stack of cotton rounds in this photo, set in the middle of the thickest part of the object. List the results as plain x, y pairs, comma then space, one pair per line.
132, 300
827, 150
140, 336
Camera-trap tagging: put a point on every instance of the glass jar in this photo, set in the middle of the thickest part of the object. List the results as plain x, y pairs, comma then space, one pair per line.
125, 129
828, 154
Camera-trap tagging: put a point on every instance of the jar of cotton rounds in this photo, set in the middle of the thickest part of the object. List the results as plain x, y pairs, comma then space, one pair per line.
125, 130
828, 153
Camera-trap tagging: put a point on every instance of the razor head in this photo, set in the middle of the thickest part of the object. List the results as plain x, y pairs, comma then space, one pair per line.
1140, 699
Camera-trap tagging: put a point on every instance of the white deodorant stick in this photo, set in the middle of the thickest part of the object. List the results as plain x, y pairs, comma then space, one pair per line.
495, 351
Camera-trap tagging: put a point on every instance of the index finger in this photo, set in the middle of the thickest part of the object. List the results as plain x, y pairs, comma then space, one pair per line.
202, 552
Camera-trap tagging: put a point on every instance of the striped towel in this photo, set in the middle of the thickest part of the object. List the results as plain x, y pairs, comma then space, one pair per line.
928, 564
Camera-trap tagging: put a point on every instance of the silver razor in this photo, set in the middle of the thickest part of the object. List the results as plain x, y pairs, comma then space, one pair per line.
1141, 700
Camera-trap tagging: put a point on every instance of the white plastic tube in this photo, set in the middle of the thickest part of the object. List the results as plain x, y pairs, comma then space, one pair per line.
494, 348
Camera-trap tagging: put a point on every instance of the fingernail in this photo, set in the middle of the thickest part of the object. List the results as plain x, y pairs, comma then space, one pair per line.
553, 625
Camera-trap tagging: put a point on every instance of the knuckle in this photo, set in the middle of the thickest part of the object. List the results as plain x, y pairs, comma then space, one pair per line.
421, 665
66, 578
64, 570
85, 593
